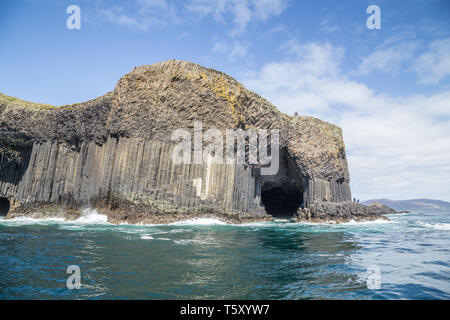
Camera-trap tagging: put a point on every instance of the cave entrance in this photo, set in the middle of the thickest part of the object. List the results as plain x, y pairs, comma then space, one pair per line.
4, 207
282, 202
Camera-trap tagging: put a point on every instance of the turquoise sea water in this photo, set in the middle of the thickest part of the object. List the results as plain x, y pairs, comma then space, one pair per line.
205, 260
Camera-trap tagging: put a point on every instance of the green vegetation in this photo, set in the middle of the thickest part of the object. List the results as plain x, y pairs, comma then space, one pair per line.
12, 101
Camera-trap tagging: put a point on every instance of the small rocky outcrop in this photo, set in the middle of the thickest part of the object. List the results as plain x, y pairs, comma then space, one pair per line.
379, 208
323, 212
114, 153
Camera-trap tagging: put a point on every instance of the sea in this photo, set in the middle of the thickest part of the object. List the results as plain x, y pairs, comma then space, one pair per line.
407, 257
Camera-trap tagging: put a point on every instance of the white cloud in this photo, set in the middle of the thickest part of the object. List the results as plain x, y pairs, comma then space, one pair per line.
239, 50
116, 16
183, 35
142, 14
242, 12
152, 4
389, 60
266, 8
328, 27
399, 53
276, 29
234, 50
434, 64
397, 146
220, 47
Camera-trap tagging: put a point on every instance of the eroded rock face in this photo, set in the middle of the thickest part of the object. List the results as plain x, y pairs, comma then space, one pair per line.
114, 152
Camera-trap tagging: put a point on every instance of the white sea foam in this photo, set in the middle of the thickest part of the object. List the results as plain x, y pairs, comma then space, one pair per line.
188, 241
179, 241
88, 216
139, 224
22, 221
91, 216
272, 224
355, 223
436, 226
198, 221
259, 224
306, 223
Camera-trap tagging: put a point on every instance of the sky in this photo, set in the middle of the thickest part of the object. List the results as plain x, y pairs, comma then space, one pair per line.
388, 88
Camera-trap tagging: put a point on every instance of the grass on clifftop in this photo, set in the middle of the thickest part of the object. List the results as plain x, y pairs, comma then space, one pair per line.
8, 100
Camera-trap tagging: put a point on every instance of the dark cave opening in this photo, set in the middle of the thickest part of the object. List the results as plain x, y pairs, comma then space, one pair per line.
4, 207
282, 202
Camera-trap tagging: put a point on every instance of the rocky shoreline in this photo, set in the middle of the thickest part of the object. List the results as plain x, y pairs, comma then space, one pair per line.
130, 214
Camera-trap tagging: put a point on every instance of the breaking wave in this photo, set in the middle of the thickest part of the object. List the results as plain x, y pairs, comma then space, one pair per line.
198, 221
435, 226
88, 216
91, 216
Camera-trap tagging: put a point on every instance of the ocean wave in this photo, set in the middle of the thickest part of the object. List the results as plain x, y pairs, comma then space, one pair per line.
88, 216
176, 241
23, 221
356, 223
436, 226
91, 216
267, 224
197, 221
306, 223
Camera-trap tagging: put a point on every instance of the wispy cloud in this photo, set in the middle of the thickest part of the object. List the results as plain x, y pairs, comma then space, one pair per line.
433, 65
328, 27
389, 60
400, 53
276, 29
242, 12
233, 50
142, 14
391, 56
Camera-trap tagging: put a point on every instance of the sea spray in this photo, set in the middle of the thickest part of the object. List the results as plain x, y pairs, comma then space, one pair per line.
91, 216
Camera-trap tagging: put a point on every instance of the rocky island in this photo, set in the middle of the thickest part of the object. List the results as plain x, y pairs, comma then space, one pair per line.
113, 153
383, 209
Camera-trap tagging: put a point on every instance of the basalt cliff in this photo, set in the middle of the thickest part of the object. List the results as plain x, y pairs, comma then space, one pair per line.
114, 154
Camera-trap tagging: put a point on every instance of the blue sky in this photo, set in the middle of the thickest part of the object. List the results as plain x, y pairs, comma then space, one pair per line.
388, 89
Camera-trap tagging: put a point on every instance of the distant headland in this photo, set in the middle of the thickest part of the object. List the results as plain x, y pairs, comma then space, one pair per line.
412, 205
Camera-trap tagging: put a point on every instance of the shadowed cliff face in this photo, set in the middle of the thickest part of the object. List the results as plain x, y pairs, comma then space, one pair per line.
115, 151
4, 207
